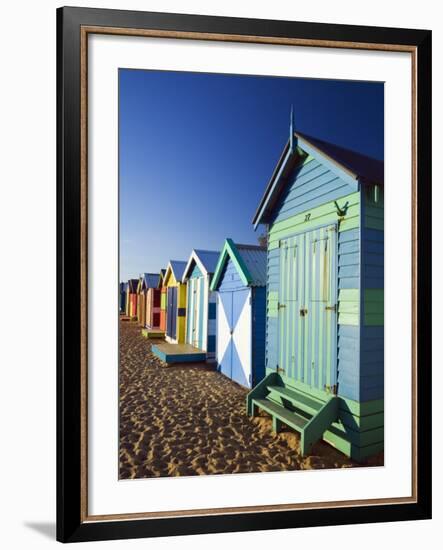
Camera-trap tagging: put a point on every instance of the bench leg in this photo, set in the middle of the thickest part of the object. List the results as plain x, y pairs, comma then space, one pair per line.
305, 445
276, 424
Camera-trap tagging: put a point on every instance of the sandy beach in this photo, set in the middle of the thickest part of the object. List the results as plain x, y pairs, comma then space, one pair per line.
190, 420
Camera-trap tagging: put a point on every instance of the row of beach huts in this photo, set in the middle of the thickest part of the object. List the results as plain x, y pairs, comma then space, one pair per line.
209, 308
299, 322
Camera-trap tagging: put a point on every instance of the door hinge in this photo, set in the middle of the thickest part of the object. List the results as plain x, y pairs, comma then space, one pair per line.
280, 306
331, 308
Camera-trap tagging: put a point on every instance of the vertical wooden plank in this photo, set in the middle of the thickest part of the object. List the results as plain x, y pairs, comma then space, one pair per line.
294, 286
323, 291
307, 291
188, 335
299, 304
332, 316
281, 301
201, 296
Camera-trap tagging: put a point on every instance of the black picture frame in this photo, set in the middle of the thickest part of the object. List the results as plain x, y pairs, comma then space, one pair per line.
71, 526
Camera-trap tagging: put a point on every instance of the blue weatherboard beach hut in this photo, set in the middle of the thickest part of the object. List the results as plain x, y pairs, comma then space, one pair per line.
323, 209
201, 301
240, 282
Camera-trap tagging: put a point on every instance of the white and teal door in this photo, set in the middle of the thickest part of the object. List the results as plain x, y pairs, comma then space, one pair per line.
196, 313
307, 308
234, 335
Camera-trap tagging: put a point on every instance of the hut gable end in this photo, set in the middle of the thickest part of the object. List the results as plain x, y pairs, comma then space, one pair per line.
200, 263
245, 263
230, 278
174, 273
310, 184
315, 173
169, 278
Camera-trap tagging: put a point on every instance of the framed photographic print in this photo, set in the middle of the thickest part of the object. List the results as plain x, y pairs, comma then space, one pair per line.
244, 274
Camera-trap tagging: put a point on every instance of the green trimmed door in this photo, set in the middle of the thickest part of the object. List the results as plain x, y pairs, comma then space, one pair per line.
194, 312
307, 308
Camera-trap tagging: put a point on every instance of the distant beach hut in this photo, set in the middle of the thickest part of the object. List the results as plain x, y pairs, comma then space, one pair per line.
127, 299
323, 208
240, 282
174, 349
122, 297
131, 298
141, 302
176, 302
163, 299
153, 308
146, 282
201, 301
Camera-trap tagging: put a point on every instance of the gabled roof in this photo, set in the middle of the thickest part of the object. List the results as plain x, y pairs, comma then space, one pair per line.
205, 259
250, 261
352, 166
149, 280
161, 276
132, 286
139, 284
364, 168
176, 268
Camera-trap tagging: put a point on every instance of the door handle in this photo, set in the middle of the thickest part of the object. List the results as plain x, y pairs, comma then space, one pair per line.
303, 312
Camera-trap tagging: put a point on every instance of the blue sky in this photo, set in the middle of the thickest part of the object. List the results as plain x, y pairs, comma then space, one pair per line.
197, 150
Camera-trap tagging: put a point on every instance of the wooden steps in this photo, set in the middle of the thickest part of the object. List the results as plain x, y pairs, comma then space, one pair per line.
292, 419
308, 404
308, 416
178, 353
153, 333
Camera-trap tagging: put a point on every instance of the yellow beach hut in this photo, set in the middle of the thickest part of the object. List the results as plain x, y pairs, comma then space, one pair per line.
176, 302
175, 350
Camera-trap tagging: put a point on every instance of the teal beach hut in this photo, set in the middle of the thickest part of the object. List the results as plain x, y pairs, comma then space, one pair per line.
240, 282
201, 301
323, 212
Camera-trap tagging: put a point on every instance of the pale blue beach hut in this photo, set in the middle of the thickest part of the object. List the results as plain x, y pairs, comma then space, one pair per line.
201, 301
240, 282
